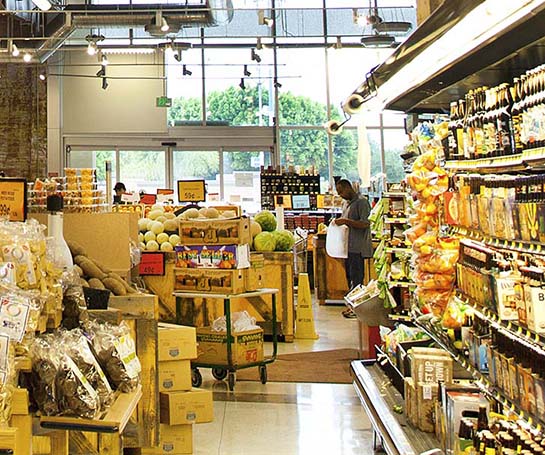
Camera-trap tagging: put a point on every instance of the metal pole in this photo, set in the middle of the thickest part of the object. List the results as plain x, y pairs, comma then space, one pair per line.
328, 98
277, 148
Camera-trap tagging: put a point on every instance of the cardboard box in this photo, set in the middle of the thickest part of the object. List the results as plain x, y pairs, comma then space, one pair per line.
210, 280
247, 347
215, 232
255, 274
427, 395
179, 408
508, 293
534, 297
173, 440
411, 410
175, 375
176, 342
213, 256
431, 369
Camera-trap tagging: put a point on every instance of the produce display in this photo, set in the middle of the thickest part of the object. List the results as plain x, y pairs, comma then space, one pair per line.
95, 275
265, 236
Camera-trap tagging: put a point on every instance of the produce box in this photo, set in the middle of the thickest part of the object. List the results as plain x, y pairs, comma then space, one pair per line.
217, 231
426, 397
176, 342
410, 401
174, 375
179, 408
247, 347
213, 256
173, 440
255, 273
210, 280
430, 365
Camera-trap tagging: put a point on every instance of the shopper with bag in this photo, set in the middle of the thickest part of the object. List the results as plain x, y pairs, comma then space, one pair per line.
355, 215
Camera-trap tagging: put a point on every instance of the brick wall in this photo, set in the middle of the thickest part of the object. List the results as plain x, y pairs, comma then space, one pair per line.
23, 121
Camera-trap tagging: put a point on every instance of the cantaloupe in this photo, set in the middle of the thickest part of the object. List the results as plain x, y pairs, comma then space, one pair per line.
157, 227
148, 236
162, 238
152, 245
174, 239
166, 246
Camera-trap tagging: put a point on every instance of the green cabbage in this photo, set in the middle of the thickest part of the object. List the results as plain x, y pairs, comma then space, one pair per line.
264, 241
284, 240
266, 220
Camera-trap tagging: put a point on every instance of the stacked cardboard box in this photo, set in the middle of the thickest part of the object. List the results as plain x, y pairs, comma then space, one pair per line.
180, 405
429, 367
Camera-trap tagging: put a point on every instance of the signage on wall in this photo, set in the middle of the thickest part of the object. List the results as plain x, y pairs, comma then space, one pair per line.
191, 191
152, 263
163, 101
13, 198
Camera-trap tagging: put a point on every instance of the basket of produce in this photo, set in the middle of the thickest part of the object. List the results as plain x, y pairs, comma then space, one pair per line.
368, 304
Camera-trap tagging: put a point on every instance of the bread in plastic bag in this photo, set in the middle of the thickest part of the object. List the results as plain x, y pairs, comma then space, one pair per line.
116, 353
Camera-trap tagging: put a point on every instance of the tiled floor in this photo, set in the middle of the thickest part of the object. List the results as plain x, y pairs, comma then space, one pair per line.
290, 418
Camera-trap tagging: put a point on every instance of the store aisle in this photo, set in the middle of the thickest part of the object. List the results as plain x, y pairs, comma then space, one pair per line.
290, 418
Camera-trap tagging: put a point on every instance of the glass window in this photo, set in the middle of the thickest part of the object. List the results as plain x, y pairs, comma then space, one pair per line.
301, 73
305, 148
184, 86
394, 143
239, 89
97, 160
142, 170
393, 118
345, 153
241, 174
188, 165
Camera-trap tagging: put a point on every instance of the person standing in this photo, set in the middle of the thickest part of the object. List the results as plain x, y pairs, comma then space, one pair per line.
355, 215
119, 189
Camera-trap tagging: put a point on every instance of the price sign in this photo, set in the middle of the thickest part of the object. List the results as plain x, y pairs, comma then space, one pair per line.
13, 198
148, 199
152, 263
191, 191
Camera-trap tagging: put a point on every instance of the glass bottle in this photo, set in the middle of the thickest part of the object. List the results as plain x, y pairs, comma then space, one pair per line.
516, 116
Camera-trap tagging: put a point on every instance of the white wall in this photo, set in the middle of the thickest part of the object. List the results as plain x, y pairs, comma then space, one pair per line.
127, 105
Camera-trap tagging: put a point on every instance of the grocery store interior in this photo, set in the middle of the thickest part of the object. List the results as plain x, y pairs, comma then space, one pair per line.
189, 190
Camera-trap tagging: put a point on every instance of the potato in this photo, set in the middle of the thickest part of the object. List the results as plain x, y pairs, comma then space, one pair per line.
79, 259
91, 270
115, 286
75, 248
95, 283
127, 286
83, 282
78, 270
101, 266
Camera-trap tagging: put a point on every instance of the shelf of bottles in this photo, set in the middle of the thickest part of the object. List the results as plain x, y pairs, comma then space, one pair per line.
278, 182
489, 384
499, 127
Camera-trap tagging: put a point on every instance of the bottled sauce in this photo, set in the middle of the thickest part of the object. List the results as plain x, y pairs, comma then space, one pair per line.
489, 122
451, 151
469, 129
478, 119
516, 116
460, 136
503, 121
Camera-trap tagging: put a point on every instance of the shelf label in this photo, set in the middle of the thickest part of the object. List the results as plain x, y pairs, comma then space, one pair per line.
13, 198
191, 191
152, 263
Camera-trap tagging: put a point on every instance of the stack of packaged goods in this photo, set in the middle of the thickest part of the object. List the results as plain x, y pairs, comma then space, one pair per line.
435, 254
78, 187
181, 406
214, 257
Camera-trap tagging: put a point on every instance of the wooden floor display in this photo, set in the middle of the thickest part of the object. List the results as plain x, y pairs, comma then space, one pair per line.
278, 273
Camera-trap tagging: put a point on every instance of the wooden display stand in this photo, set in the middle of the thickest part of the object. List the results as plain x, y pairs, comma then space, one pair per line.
330, 282
278, 273
105, 236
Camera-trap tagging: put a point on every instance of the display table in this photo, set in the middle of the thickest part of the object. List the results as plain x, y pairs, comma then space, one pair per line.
390, 429
330, 282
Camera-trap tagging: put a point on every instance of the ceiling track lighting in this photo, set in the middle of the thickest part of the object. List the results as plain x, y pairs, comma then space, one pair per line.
242, 85
264, 20
185, 71
161, 22
259, 44
42, 77
44, 5
338, 43
103, 60
104, 83
101, 72
92, 47
178, 55
379, 41
27, 57
246, 72
277, 84
14, 50
255, 56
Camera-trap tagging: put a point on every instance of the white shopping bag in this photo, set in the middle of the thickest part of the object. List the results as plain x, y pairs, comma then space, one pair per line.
336, 241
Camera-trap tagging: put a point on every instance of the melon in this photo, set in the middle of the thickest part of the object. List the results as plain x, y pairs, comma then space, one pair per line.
157, 227
191, 213
161, 218
152, 245
162, 238
166, 246
148, 236
174, 239
140, 237
211, 212
153, 214
255, 228
143, 224
170, 225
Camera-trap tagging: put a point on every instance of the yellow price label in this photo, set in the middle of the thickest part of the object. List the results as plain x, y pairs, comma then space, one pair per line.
191, 190
13, 198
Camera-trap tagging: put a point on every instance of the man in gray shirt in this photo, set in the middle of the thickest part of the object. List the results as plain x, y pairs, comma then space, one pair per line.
355, 215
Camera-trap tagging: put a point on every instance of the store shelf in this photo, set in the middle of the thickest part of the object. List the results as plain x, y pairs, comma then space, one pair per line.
401, 284
511, 329
481, 380
396, 220
399, 194
522, 246
399, 250
378, 397
530, 159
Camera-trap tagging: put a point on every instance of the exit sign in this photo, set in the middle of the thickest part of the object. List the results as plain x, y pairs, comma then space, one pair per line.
163, 101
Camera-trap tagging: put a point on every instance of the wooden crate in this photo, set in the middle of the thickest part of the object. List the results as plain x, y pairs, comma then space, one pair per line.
329, 274
163, 287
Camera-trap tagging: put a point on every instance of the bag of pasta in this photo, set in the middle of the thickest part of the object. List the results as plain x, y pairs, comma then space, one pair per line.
116, 353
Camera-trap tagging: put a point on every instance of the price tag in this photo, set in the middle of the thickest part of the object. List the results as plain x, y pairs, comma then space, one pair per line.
191, 191
14, 317
148, 199
152, 263
13, 198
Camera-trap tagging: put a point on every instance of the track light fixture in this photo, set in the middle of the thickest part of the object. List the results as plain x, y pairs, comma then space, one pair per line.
104, 83
42, 77
338, 43
27, 57
101, 72
169, 47
277, 84
92, 47
242, 85
178, 55
103, 60
162, 22
255, 56
15, 50
264, 20
259, 44
186, 72
246, 72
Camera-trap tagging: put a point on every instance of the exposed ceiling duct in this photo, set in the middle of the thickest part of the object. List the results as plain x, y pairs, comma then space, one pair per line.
72, 17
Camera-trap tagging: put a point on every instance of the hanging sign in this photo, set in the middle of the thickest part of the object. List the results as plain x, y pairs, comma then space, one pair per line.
152, 263
148, 199
191, 191
13, 198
